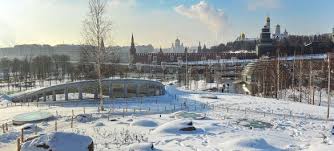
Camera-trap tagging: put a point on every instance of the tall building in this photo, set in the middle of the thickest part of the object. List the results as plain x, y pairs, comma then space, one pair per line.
132, 55
199, 49
278, 35
285, 34
265, 45
333, 35
204, 48
242, 37
278, 29
177, 47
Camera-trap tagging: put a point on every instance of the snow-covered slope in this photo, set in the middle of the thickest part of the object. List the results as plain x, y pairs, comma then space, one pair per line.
232, 122
58, 141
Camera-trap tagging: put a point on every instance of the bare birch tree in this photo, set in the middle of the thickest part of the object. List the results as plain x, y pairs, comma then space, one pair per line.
293, 75
96, 29
329, 55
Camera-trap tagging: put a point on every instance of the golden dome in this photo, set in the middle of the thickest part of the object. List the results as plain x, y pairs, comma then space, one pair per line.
268, 19
243, 35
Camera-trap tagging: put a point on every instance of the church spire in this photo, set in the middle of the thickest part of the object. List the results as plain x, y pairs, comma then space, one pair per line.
132, 57
132, 41
199, 47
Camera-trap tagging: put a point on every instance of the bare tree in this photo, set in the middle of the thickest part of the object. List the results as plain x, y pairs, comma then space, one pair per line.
293, 75
329, 84
278, 74
97, 28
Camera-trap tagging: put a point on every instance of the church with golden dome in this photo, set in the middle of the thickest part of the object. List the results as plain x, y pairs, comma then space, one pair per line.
265, 44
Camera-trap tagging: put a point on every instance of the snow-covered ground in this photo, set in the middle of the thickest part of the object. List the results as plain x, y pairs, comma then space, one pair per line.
230, 122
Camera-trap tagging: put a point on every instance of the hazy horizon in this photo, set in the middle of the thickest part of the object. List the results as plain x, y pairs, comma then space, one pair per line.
160, 22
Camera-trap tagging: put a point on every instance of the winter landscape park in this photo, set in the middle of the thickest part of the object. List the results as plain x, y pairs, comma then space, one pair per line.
107, 75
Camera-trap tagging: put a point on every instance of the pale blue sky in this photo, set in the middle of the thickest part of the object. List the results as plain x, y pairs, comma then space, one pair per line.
159, 22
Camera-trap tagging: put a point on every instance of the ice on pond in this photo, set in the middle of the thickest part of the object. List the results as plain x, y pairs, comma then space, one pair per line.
254, 123
191, 115
31, 117
144, 123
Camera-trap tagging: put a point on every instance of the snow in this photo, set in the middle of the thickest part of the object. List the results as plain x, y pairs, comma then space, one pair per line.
58, 141
99, 124
232, 122
5, 99
209, 96
179, 126
84, 118
144, 123
30, 117
141, 147
29, 128
248, 143
8, 137
192, 115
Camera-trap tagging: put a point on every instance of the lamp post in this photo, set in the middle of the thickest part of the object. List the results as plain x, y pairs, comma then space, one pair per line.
186, 51
329, 83
189, 73
210, 68
138, 69
218, 58
179, 62
130, 68
163, 67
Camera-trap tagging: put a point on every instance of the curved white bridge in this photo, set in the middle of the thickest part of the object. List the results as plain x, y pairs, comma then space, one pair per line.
112, 88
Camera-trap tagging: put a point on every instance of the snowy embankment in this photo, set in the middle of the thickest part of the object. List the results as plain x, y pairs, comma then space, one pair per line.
229, 122
4, 100
58, 141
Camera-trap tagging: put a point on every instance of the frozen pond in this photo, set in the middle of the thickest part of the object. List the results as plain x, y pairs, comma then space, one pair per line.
31, 117
254, 123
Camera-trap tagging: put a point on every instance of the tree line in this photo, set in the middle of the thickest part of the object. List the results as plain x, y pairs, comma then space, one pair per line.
301, 80
321, 44
22, 71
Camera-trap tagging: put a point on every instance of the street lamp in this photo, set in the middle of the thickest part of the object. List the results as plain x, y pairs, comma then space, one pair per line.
218, 58
138, 69
210, 66
130, 68
179, 62
163, 67
189, 73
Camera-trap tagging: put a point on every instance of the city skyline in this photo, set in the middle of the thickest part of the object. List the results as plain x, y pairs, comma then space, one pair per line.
160, 22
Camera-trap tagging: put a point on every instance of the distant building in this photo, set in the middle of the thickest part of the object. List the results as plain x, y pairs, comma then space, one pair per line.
265, 45
177, 47
132, 53
278, 35
204, 48
157, 58
199, 49
33, 50
333, 35
242, 37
